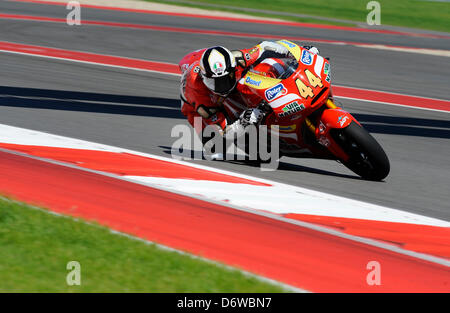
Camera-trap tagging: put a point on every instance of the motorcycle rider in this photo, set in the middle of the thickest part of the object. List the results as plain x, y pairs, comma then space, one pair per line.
211, 86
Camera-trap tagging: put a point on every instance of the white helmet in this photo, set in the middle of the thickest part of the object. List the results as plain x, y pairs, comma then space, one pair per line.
217, 67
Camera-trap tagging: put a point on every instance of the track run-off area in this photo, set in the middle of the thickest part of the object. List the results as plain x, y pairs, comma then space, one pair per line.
86, 114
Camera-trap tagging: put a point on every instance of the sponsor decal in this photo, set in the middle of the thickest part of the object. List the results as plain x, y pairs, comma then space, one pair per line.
253, 50
253, 82
306, 57
326, 68
275, 92
328, 78
287, 128
291, 108
196, 69
289, 44
218, 67
184, 67
342, 120
257, 72
247, 57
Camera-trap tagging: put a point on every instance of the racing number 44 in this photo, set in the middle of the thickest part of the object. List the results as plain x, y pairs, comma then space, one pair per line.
306, 91
313, 79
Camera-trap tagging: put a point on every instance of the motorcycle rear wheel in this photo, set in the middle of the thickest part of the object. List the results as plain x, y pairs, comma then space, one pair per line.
367, 157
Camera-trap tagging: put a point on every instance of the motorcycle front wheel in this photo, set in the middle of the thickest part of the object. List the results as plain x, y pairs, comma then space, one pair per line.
367, 157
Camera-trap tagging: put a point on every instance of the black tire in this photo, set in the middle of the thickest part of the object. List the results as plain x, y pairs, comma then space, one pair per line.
367, 157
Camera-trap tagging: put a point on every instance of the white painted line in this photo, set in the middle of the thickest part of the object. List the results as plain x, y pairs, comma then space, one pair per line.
92, 63
392, 104
283, 199
437, 52
392, 93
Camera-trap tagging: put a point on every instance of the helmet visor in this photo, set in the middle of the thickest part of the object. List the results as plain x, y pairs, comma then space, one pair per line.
221, 85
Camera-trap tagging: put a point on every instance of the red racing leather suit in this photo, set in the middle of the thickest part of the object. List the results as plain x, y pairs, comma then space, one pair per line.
198, 101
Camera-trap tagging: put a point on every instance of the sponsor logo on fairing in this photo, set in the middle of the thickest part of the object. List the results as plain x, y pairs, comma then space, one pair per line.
306, 58
326, 68
275, 92
289, 44
342, 120
291, 108
253, 82
287, 128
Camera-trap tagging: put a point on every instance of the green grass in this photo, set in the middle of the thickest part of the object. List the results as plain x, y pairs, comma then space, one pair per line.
204, 5
36, 246
408, 13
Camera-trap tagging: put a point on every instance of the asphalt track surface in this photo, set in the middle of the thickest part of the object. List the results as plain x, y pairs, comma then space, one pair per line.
137, 110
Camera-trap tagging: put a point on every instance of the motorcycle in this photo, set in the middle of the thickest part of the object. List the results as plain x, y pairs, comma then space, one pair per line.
299, 102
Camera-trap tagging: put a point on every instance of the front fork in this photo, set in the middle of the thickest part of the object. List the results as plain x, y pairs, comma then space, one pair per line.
335, 118
330, 104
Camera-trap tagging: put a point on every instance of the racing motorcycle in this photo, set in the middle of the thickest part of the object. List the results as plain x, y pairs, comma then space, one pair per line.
299, 102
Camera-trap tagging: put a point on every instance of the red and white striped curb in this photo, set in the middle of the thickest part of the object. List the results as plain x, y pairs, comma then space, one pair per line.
406, 230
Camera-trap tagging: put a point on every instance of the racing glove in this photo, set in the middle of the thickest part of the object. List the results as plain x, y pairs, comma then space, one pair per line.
251, 116
273, 46
248, 117
312, 49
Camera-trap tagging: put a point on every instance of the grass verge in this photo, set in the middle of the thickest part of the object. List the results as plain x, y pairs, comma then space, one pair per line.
206, 6
36, 246
432, 15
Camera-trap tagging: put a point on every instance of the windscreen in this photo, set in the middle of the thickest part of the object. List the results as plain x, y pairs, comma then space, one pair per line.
289, 66
279, 68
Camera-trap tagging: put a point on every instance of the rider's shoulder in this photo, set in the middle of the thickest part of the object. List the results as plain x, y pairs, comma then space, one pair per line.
193, 72
190, 69
193, 81
195, 68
